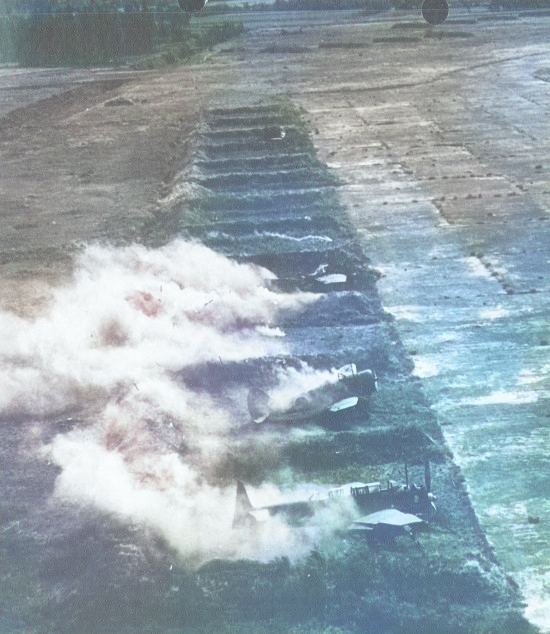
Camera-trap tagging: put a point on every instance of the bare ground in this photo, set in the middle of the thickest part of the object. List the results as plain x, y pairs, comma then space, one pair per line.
92, 164
101, 161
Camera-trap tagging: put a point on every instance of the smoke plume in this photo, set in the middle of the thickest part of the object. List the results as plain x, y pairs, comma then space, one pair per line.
112, 347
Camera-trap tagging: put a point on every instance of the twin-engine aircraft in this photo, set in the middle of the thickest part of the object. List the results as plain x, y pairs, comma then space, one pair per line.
394, 508
433, 11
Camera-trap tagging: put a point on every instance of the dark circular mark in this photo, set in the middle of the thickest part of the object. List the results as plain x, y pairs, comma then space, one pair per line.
435, 11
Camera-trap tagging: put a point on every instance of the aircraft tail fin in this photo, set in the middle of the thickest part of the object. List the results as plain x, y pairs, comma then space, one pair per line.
243, 506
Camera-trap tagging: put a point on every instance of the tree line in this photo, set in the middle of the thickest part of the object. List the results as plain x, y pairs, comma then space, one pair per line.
45, 33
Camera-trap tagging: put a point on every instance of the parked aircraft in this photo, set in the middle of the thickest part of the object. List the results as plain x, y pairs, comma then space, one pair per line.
343, 394
410, 502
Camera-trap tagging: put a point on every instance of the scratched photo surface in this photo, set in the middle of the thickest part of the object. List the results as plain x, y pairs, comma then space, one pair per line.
274, 316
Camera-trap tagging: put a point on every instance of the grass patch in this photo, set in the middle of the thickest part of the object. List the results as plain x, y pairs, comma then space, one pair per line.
359, 450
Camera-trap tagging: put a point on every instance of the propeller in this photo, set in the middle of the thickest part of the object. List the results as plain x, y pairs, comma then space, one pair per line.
432, 509
427, 476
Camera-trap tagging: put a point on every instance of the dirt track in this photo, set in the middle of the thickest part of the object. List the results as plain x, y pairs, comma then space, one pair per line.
98, 162
93, 163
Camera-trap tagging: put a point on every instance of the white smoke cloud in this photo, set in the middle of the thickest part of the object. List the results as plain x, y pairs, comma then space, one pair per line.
133, 314
272, 537
292, 382
162, 492
152, 488
111, 345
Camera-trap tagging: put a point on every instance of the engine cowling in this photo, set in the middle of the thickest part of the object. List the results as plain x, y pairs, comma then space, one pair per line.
192, 6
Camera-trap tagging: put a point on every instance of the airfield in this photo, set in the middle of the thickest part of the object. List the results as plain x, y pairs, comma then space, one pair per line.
412, 160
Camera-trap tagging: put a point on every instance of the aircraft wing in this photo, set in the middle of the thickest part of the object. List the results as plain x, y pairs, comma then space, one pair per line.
388, 517
260, 515
344, 404
332, 278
